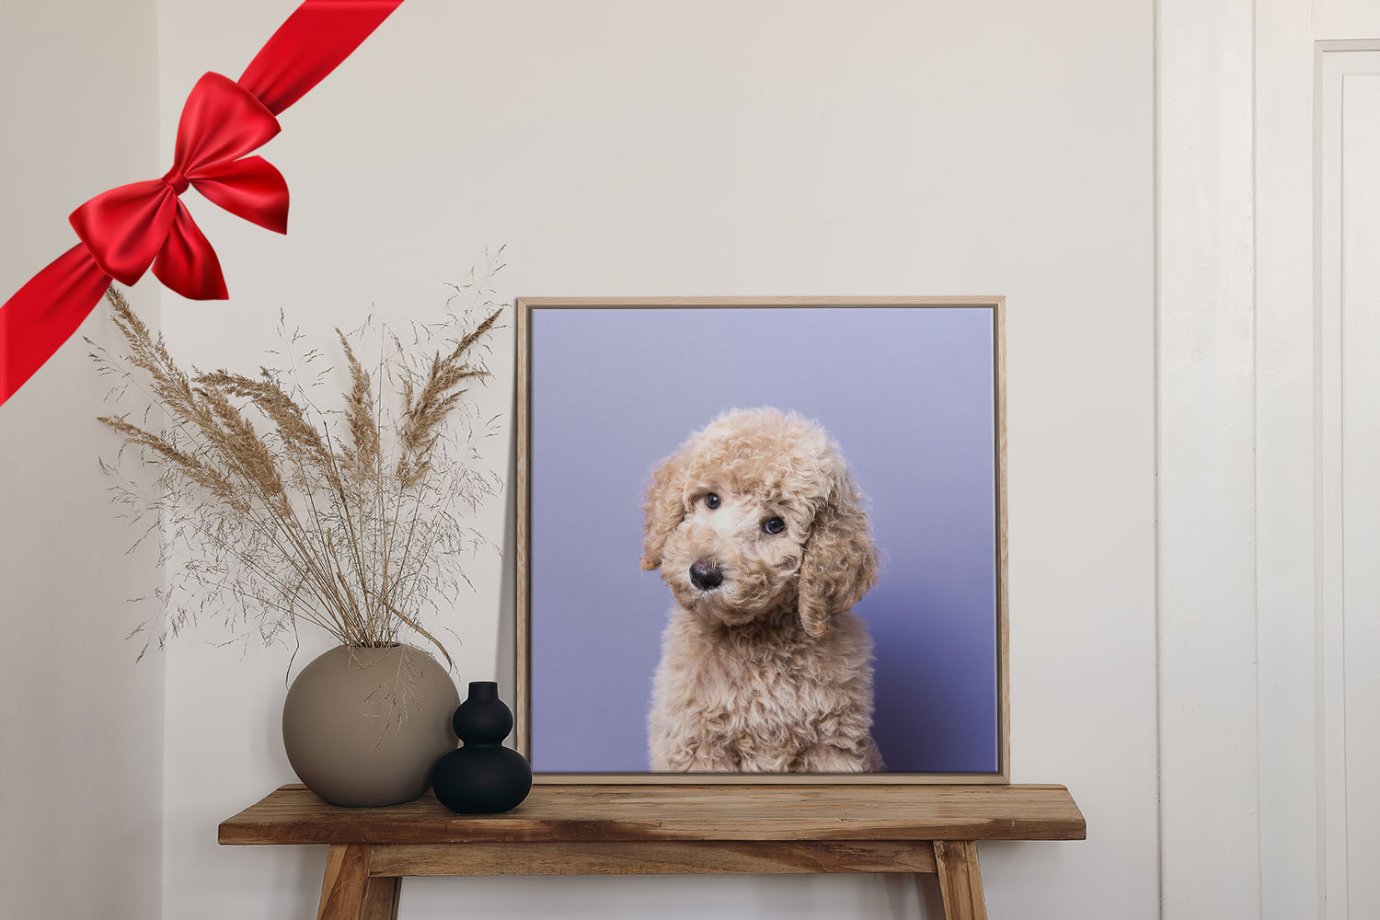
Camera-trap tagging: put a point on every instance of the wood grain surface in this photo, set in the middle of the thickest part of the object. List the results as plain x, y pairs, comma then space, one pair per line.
960, 880
555, 813
345, 881
653, 857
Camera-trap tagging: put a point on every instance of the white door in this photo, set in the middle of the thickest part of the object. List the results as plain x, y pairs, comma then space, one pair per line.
1348, 327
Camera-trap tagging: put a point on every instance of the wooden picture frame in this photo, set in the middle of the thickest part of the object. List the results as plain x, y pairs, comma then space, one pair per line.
522, 712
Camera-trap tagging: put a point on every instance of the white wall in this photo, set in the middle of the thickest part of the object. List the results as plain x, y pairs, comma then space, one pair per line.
775, 147
80, 723
714, 148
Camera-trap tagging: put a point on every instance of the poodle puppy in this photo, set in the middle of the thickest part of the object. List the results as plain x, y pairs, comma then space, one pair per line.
759, 531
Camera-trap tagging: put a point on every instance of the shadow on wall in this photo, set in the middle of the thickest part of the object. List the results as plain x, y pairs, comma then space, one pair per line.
505, 667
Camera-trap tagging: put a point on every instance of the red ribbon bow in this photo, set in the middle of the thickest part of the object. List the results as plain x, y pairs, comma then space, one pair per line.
128, 229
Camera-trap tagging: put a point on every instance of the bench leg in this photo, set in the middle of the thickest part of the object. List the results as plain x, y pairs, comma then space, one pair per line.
960, 880
345, 884
348, 892
381, 898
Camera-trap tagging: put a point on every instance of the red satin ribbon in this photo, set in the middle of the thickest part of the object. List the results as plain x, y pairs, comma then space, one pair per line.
129, 229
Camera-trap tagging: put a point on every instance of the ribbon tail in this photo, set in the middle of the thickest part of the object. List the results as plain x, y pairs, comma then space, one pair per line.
309, 45
187, 264
44, 313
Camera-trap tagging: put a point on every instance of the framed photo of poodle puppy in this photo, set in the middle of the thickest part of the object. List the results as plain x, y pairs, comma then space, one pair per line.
762, 540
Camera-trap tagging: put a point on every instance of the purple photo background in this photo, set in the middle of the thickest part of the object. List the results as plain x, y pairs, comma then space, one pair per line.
908, 395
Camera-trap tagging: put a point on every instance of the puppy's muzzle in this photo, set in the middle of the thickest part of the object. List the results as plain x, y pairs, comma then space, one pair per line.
706, 575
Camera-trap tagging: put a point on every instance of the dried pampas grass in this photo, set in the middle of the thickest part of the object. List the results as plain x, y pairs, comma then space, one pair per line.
271, 511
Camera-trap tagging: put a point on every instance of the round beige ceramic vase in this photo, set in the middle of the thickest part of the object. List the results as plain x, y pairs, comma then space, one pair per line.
364, 726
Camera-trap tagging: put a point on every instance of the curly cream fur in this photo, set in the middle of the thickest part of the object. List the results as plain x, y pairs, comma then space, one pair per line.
770, 671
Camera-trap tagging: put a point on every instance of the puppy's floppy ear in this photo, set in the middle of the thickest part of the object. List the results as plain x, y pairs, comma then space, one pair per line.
664, 506
840, 562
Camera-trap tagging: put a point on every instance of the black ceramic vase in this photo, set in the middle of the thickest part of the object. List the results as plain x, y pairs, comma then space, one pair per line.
482, 776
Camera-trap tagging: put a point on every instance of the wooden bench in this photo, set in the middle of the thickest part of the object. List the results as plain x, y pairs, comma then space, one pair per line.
662, 829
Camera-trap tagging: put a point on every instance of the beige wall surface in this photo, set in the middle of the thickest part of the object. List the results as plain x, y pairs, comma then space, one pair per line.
628, 148
81, 724
618, 148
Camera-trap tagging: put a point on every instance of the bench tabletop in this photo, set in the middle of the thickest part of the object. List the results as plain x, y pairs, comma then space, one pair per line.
293, 815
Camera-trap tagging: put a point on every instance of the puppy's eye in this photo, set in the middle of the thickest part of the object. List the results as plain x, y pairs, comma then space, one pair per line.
711, 501
773, 525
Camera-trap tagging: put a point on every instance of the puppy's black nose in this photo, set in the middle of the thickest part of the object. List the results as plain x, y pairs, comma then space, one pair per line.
706, 575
